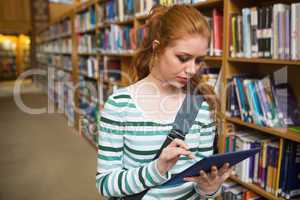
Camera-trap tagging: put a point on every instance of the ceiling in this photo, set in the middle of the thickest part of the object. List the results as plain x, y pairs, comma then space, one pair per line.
14, 16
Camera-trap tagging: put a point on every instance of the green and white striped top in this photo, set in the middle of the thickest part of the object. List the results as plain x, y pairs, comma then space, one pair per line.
128, 142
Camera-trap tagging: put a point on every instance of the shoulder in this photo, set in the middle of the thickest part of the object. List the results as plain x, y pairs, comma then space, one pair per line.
120, 94
119, 99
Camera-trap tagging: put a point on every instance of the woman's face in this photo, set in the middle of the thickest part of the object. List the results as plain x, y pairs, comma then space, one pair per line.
181, 60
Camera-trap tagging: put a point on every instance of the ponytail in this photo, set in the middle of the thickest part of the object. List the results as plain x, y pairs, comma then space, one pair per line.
142, 59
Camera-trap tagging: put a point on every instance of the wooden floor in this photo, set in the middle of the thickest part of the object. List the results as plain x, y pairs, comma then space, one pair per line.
41, 157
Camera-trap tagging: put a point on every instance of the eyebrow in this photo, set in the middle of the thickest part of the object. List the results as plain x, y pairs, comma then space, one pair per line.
188, 54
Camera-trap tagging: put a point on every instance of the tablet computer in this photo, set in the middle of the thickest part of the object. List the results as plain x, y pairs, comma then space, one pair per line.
206, 163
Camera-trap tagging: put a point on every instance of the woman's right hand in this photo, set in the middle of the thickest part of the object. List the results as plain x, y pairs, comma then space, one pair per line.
171, 154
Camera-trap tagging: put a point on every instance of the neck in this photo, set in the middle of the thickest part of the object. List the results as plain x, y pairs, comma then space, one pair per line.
164, 87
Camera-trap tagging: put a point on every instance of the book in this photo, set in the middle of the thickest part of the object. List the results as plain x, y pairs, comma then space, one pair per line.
206, 163
295, 31
217, 32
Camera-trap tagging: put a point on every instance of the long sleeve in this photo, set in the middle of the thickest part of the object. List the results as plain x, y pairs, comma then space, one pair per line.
112, 180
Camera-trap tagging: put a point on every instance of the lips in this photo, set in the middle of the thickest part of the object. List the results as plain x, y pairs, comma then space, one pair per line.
182, 79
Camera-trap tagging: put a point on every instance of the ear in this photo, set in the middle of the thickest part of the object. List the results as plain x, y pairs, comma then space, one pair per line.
155, 44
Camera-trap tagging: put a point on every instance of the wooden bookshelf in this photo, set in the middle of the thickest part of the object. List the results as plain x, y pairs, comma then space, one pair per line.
213, 58
123, 54
256, 189
92, 30
280, 132
84, 6
87, 54
259, 67
129, 20
208, 3
264, 61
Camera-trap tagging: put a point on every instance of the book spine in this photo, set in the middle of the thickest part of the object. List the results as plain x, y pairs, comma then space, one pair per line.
233, 39
248, 94
239, 97
261, 102
293, 32
286, 168
268, 32
218, 32
254, 44
287, 34
260, 32
269, 167
246, 32
275, 172
293, 182
240, 36
264, 165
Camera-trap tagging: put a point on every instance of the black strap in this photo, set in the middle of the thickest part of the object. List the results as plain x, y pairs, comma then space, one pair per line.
183, 122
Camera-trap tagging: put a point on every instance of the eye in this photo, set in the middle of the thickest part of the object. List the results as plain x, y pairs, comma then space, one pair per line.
183, 59
199, 60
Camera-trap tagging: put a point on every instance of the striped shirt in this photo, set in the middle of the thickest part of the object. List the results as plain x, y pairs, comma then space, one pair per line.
128, 142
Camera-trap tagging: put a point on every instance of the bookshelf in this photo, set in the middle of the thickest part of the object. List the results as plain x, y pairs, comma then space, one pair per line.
255, 188
102, 24
255, 67
280, 132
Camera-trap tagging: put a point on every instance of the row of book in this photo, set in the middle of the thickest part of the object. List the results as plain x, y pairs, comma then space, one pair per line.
210, 75
268, 101
121, 10
61, 92
233, 191
92, 98
110, 69
216, 26
276, 168
57, 46
62, 28
89, 109
85, 21
87, 43
60, 62
266, 32
109, 41
117, 39
89, 66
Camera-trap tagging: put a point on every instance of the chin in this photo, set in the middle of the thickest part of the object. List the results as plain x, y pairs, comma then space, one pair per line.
177, 85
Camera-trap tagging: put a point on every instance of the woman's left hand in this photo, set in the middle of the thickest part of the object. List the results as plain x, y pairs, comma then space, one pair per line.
209, 183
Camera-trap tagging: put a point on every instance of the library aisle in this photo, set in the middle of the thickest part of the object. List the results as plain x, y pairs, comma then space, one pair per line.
41, 157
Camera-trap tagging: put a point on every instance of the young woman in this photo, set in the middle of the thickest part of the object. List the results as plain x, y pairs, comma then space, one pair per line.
137, 119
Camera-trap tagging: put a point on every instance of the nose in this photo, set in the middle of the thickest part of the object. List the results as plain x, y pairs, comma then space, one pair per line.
191, 68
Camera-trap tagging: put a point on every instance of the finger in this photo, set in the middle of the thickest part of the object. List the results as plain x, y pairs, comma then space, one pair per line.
176, 152
213, 172
223, 169
204, 176
227, 173
178, 143
191, 179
